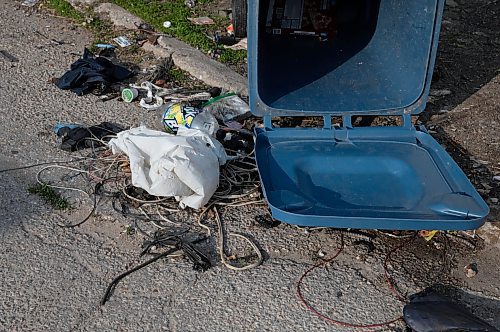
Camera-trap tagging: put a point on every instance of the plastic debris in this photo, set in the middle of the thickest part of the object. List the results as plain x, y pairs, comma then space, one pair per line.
122, 41
29, 3
204, 20
129, 94
62, 125
241, 45
190, 3
105, 46
471, 270
181, 115
427, 235
184, 166
153, 99
228, 107
496, 178
167, 24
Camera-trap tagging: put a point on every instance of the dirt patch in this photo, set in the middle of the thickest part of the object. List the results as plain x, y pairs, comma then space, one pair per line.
468, 56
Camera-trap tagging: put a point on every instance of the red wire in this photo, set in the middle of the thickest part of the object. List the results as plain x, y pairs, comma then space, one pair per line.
338, 322
386, 272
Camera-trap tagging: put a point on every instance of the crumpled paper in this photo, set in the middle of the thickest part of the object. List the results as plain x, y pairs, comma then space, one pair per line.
185, 166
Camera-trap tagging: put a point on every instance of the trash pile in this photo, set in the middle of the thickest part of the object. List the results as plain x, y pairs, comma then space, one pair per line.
199, 158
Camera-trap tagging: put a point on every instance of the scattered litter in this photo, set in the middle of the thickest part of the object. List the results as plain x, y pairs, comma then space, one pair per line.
494, 200
204, 20
29, 3
321, 254
228, 107
496, 178
190, 3
105, 46
471, 270
241, 45
8, 56
144, 26
76, 137
122, 41
429, 311
234, 125
92, 74
167, 24
64, 125
440, 93
181, 115
427, 235
129, 94
154, 93
226, 40
230, 29
236, 140
185, 166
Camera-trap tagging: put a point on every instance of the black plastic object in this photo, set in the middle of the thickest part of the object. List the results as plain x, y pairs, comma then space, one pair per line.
239, 8
90, 73
431, 312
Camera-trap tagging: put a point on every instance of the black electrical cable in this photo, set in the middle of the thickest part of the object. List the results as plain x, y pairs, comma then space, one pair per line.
199, 260
115, 281
94, 207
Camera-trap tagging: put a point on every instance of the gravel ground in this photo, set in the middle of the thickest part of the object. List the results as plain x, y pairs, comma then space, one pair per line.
53, 278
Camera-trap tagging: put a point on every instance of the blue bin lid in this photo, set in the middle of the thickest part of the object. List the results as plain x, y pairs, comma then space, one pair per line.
378, 63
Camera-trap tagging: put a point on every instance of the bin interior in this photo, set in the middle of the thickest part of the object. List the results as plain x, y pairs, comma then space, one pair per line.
378, 59
390, 178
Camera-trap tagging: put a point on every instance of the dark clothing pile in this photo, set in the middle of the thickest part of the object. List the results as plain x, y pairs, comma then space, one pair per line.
80, 137
91, 73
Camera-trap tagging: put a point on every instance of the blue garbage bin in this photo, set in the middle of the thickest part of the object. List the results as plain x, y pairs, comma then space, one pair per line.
365, 57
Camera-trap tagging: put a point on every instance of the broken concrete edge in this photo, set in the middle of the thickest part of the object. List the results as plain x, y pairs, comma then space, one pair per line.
199, 65
185, 57
117, 15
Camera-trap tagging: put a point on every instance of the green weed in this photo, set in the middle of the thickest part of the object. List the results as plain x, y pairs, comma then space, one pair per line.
50, 196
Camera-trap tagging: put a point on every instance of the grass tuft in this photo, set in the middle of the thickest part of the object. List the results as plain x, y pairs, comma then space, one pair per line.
50, 196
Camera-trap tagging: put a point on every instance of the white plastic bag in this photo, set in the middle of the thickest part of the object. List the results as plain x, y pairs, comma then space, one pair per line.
185, 165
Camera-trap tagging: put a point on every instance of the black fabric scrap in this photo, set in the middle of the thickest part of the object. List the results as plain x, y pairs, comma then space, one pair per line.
74, 139
89, 73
